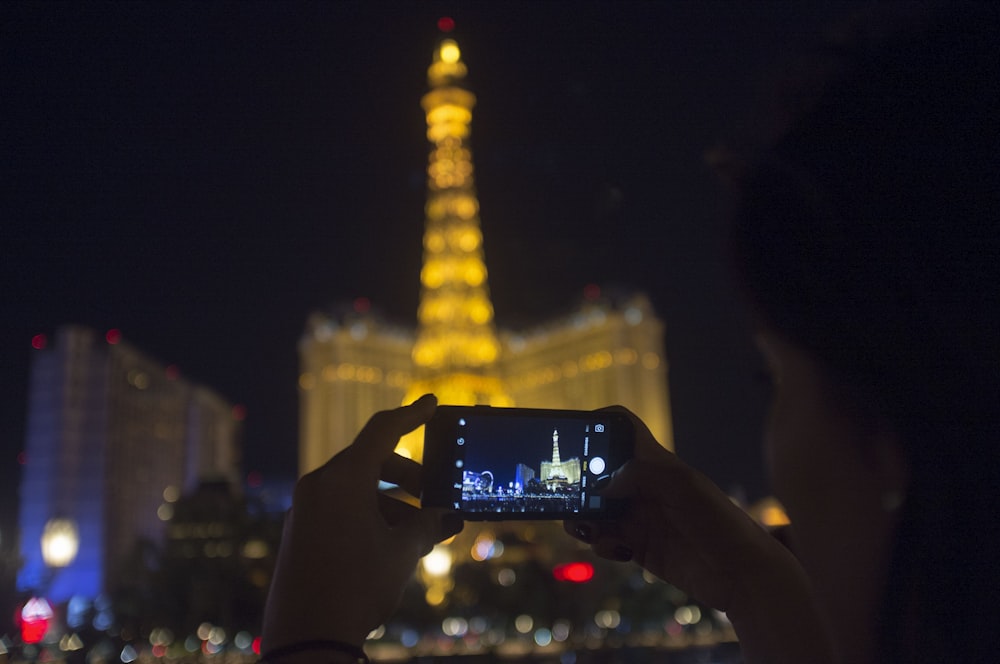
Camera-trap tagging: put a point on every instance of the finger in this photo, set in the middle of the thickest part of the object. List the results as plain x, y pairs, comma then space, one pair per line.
425, 528
585, 531
613, 548
394, 511
382, 432
402, 472
622, 483
646, 445
603, 536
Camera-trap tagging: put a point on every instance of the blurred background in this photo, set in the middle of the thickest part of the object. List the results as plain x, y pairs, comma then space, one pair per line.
214, 219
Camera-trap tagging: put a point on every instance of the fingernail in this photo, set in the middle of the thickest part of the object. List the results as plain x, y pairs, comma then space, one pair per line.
583, 531
623, 553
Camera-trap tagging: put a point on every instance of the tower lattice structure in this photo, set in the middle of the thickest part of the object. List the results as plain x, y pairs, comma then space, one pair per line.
609, 349
457, 349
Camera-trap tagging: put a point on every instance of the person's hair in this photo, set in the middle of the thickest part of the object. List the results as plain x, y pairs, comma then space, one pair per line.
868, 234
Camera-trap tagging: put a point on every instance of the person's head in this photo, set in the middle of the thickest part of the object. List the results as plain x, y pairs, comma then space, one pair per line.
868, 240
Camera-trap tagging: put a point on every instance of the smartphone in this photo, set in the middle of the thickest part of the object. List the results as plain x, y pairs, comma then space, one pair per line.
493, 464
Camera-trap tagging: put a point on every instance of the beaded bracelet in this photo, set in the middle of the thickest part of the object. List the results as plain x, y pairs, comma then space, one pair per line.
318, 644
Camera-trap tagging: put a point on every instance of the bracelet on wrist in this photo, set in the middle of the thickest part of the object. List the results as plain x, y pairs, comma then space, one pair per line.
356, 652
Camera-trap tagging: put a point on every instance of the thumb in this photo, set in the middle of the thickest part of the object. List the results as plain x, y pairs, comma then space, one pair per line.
620, 484
427, 527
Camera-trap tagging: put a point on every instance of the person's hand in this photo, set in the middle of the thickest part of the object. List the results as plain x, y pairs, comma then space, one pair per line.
681, 527
347, 552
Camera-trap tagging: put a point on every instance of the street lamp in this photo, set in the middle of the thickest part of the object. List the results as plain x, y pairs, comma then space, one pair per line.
60, 542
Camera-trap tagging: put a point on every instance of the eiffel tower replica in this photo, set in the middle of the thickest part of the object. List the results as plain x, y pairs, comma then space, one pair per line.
457, 349
609, 350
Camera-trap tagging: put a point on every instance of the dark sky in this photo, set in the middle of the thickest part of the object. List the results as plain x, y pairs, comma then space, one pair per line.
203, 175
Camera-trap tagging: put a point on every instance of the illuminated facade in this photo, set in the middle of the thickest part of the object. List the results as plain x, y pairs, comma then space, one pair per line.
609, 351
112, 438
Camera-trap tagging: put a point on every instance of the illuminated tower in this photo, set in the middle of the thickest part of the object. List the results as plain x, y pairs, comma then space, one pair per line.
457, 349
558, 473
457, 344
609, 350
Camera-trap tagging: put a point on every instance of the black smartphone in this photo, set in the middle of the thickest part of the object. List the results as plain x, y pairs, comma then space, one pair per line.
492, 464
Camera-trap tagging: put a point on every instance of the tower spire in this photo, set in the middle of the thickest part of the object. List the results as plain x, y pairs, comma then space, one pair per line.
457, 347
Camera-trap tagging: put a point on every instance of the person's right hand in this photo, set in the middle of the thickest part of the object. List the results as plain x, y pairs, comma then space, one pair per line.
681, 527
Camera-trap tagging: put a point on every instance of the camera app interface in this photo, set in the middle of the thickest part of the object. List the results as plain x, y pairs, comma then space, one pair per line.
529, 464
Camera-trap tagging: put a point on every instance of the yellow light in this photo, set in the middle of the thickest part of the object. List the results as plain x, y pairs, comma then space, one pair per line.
439, 131
436, 208
480, 311
450, 52
60, 542
465, 207
438, 561
449, 114
434, 596
626, 356
650, 360
432, 275
469, 239
307, 381
596, 361
256, 549
474, 273
434, 242
774, 516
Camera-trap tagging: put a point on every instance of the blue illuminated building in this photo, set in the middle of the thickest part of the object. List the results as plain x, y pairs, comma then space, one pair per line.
113, 439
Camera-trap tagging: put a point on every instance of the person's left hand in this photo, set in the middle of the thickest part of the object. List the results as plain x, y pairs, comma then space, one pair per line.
345, 557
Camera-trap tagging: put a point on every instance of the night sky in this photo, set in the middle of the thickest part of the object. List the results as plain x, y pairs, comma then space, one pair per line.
203, 175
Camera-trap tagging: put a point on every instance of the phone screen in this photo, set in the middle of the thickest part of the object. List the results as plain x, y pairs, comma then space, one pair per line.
524, 463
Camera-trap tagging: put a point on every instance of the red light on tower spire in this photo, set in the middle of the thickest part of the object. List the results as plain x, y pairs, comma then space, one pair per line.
446, 24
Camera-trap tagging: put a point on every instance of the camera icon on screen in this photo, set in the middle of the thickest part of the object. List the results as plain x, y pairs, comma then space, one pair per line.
598, 428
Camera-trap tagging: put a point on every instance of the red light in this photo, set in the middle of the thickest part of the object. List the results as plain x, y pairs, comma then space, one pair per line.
34, 619
362, 305
173, 372
113, 336
573, 572
254, 479
591, 292
239, 412
256, 646
22, 458
446, 24
38, 341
